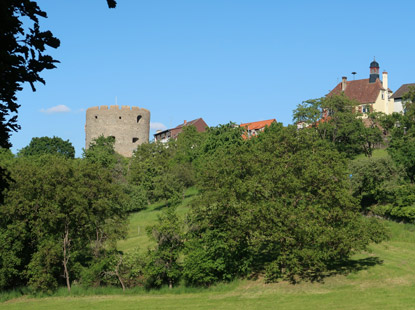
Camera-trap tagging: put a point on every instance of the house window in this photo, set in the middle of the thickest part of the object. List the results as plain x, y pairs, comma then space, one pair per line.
366, 109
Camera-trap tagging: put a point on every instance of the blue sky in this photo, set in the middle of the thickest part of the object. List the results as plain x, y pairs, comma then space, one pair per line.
223, 60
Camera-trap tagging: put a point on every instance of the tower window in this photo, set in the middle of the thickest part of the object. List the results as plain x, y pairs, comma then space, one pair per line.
112, 137
96, 116
119, 117
138, 118
135, 140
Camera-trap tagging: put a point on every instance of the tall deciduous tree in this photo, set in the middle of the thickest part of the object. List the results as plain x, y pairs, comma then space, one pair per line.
335, 119
402, 144
47, 145
163, 267
22, 56
58, 214
278, 204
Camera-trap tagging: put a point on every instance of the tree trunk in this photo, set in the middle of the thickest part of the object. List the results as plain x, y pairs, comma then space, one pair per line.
66, 246
117, 273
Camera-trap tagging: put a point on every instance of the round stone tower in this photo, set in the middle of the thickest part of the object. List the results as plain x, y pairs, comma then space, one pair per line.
130, 126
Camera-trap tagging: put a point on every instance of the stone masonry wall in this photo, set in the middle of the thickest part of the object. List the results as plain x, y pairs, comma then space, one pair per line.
129, 125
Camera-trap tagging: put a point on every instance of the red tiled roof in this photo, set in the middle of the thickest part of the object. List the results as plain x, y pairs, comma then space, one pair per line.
189, 123
199, 123
402, 90
360, 90
258, 125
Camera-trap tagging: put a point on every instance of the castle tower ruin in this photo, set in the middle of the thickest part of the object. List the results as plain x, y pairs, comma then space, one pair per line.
130, 126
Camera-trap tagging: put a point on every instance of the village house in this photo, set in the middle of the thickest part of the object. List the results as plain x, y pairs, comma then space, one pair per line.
253, 128
372, 93
168, 134
398, 95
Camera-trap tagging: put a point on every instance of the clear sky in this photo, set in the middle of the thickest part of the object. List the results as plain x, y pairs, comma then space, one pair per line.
222, 60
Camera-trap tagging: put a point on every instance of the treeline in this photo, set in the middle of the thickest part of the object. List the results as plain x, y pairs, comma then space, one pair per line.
286, 204
385, 186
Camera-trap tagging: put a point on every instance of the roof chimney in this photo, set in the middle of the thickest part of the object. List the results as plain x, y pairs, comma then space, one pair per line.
385, 80
344, 79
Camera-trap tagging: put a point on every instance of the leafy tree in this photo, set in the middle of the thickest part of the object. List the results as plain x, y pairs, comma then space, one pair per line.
22, 57
334, 119
400, 204
373, 180
137, 198
188, 148
409, 103
5, 155
101, 151
402, 151
188, 145
46, 145
151, 168
62, 213
401, 147
389, 121
278, 204
163, 267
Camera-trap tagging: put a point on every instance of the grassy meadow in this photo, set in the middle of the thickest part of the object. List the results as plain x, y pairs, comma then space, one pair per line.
139, 221
382, 278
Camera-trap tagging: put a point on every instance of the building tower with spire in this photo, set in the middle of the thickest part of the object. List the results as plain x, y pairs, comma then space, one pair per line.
374, 71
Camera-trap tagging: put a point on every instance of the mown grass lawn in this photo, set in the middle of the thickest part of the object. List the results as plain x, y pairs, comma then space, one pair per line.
383, 278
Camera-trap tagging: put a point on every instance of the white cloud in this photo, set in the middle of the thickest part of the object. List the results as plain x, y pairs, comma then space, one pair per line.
56, 109
157, 126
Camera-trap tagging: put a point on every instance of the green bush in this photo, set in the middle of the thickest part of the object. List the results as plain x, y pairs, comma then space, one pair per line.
136, 199
400, 205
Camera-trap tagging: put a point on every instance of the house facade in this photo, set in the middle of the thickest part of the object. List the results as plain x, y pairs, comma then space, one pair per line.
398, 95
168, 134
373, 94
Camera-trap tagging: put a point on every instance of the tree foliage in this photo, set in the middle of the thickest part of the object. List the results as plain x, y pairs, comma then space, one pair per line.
279, 204
373, 180
22, 57
335, 119
163, 266
47, 145
153, 169
61, 214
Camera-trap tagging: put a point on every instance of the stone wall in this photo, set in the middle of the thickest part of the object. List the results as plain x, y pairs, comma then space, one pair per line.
129, 125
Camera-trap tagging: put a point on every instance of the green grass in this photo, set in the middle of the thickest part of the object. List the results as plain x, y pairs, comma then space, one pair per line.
382, 278
377, 153
137, 236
